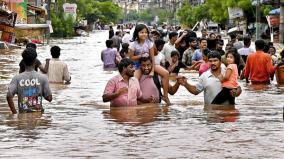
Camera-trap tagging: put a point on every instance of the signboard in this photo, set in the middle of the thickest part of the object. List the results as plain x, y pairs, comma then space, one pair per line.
70, 10
235, 13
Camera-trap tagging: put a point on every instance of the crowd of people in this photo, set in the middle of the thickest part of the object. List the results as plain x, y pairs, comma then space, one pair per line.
146, 60
150, 57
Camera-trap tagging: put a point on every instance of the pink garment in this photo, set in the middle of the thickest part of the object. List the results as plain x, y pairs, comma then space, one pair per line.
127, 99
203, 68
232, 82
149, 88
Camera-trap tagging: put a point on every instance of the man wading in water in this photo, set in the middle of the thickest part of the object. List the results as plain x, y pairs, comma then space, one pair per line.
30, 86
209, 82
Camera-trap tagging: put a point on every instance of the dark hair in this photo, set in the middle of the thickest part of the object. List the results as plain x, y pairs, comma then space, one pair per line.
159, 42
191, 33
273, 48
265, 48
175, 53
117, 32
109, 43
172, 34
259, 44
282, 53
201, 39
192, 39
29, 55
32, 45
233, 36
219, 36
206, 52
247, 40
212, 34
125, 46
155, 32
214, 54
270, 44
220, 42
124, 50
236, 55
143, 59
240, 37
211, 44
138, 28
55, 51
124, 63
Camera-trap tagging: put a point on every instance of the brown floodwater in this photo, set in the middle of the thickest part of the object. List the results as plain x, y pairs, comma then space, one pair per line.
77, 124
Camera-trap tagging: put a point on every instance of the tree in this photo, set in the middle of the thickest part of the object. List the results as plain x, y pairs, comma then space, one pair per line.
184, 14
105, 11
217, 11
132, 15
146, 16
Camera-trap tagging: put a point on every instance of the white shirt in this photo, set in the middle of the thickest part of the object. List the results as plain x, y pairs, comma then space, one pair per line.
211, 85
245, 51
167, 50
160, 58
126, 38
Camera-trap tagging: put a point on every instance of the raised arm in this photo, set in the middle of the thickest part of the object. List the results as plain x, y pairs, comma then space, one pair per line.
45, 68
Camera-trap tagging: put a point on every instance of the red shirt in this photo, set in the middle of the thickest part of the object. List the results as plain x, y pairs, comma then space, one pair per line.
259, 67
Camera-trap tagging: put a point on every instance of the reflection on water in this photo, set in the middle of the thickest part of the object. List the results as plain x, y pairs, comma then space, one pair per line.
219, 113
139, 115
77, 124
27, 121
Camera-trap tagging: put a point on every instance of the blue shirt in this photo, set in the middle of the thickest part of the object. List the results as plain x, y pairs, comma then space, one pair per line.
197, 55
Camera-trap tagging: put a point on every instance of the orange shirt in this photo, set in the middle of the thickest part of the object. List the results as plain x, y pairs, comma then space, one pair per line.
232, 82
259, 67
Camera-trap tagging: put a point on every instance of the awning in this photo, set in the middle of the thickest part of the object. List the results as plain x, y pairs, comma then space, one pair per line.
47, 27
37, 10
31, 26
275, 11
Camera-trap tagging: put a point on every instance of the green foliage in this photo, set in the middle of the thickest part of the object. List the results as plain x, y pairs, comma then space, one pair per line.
132, 16
110, 12
163, 15
189, 15
217, 11
91, 10
265, 9
62, 27
105, 11
185, 14
146, 16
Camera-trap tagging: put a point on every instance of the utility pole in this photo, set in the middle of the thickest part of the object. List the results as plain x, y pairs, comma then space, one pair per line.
281, 27
125, 12
257, 20
48, 10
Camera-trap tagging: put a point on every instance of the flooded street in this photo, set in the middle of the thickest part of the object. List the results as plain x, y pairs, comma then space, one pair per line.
77, 124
